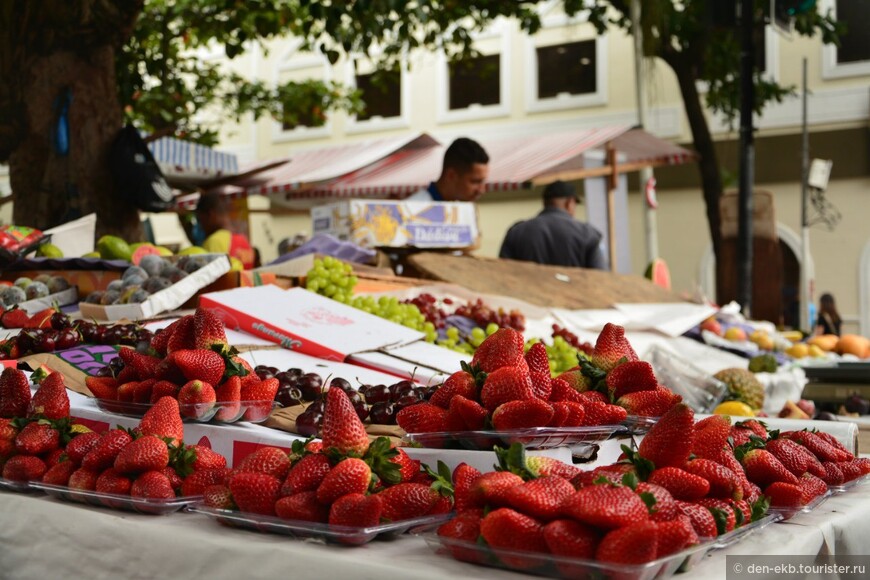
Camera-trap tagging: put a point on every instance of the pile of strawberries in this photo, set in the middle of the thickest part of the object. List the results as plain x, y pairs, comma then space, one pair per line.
504, 388
191, 361
342, 481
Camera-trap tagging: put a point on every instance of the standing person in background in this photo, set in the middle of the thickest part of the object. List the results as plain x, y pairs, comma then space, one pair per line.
463, 174
213, 216
554, 236
829, 321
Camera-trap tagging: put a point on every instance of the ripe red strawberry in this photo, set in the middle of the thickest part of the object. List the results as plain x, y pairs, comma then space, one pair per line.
196, 364
143, 390
257, 397
356, 510
540, 466
631, 377
836, 443
59, 473
167, 371
783, 494
818, 446
593, 396
342, 429
812, 486
162, 389
209, 330
465, 527
351, 475
206, 458
147, 453
611, 347
723, 512
465, 415
83, 479
653, 403
521, 414
269, 460
794, 456
763, 468
605, 506
182, 336
408, 468
14, 393
143, 365
561, 390
8, 431
15, 318
302, 506
110, 481
163, 420
255, 492
492, 488
161, 337
711, 436
598, 413
198, 481
102, 454
833, 473
575, 379
680, 483
724, 483
674, 536
196, 399
507, 529
229, 397
175, 480
24, 468
306, 474
850, 470
464, 477
37, 438
571, 539
405, 501
422, 418
51, 399
669, 441
539, 370
127, 391
53, 457
7, 450
103, 387
560, 414
612, 473
701, 517
218, 497
635, 543
459, 383
506, 384
152, 485
540, 498
503, 348
660, 503
79, 446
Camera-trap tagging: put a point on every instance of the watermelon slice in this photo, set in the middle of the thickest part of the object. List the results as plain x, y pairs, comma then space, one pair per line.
658, 272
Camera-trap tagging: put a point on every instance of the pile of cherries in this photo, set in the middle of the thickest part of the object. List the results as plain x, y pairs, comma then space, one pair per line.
376, 403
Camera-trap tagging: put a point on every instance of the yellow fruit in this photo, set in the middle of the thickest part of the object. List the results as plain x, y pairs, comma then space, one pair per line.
164, 251
735, 408
236, 265
853, 344
49, 251
815, 351
757, 335
192, 250
735, 333
798, 350
765, 343
827, 342
91, 255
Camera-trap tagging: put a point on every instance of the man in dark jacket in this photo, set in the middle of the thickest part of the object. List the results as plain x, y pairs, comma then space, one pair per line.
554, 236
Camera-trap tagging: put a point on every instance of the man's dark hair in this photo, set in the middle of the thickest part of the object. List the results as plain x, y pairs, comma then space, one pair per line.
463, 153
209, 202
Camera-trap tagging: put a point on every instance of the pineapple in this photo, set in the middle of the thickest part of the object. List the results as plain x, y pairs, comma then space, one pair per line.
742, 386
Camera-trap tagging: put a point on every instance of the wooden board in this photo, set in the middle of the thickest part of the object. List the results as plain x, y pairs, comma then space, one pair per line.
551, 286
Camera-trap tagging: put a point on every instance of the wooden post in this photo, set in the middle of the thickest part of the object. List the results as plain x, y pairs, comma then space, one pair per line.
613, 183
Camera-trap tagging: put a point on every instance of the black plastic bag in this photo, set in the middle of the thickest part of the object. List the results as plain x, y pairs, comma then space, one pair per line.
138, 178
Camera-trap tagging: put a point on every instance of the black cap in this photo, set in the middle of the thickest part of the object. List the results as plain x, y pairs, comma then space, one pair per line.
560, 189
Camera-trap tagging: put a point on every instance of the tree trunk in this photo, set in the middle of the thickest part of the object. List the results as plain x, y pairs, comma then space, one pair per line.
52, 188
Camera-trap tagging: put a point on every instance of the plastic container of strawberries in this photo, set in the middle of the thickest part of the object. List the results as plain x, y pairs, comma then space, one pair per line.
844, 487
788, 512
348, 535
158, 507
545, 564
221, 412
16, 486
531, 438
728, 539
639, 424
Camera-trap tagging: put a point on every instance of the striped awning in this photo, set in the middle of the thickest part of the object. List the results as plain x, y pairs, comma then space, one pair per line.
186, 162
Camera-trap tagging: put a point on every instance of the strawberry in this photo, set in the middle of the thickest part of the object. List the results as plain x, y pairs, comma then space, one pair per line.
182, 336
342, 429
812, 486
598, 413
79, 446
723, 512
269, 460
680, 483
24, 468
605, 506
459, 383
163, 419
110, 481
701, 517
611, 347
37, 438
167, 371
175, 480
612, 473
763, 468
492, 488
356, 510
561, 412
196, 364
503, 348
143, 391
757, 427
206, 458
660, 503
147, 453
635, 543
229, 397
674, 536
302, 506
465, 527
653, 403
850, 470
724, 483
506, 384
818, 446
218, 497
783, 494
161, 337
59, 473
51, 400
127, 391
306, 474
408, 468
596, 396
711, 436
14, 393
162, 389
15, 318
540, 498
8, 430
422, 418
464, 477
739, 435
631, 377
102, 454
198, 481
255, 492
41, 319
351, 475
196, 399
103, 387
7, 450
208, 330
507, 529
83, 479
794, 456
539, 370
465, 415
258, 396
522, 414
575, 379
405, 501
669, 441
540, 466
561, 390
833, 473
143, 365
835, 442
570, 539
152, 485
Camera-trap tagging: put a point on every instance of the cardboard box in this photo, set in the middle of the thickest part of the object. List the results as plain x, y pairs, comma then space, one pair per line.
169, 299
396, 224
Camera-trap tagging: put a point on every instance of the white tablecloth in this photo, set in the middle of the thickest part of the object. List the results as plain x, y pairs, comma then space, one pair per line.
45, 538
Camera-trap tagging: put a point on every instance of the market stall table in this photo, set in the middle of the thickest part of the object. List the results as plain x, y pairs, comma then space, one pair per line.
45, 538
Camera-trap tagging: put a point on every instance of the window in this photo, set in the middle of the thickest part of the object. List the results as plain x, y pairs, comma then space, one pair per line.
382, 93
475, 81
305, 119
855, 44
566, 69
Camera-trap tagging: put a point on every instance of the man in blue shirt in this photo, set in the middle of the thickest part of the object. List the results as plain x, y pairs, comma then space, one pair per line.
463, 174
554, 236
